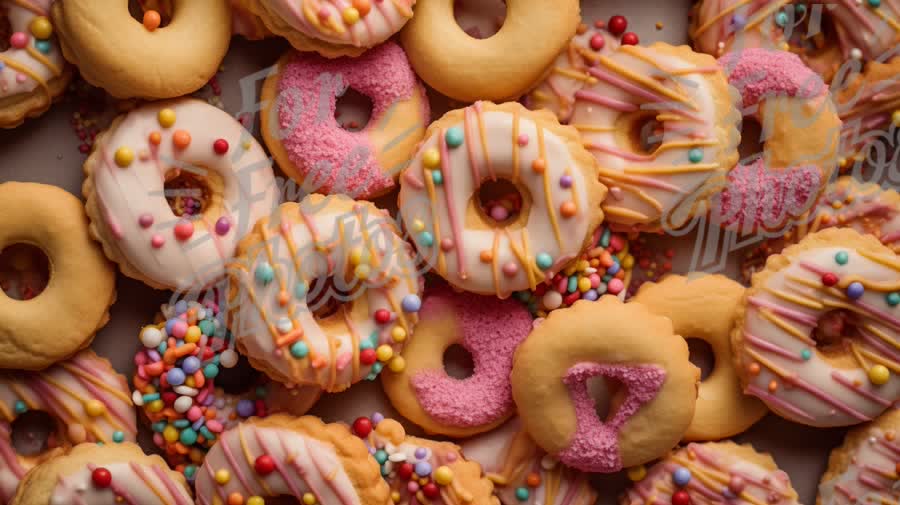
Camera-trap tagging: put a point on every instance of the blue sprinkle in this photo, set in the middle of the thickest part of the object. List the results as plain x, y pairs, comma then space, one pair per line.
181, 423
264, 273
21, 407
437, 177
613, 269
426, 238
118, 437
454, 137
806, 354
159, 427
855, 290
411, 303
681, 476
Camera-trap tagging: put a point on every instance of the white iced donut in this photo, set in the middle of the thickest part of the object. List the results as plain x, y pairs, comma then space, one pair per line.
127, 199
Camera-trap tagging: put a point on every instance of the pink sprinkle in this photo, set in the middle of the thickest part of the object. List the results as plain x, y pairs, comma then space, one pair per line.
412, 487
194, 413
141, 372
616, 243
214, 426
140, 358
510, 269
324, 14
446, 244
146, 220
158, 440
523, 140
179, 329
595, 281
18, 40
499, 213
184, 230
615, 286
157, 241
20, 78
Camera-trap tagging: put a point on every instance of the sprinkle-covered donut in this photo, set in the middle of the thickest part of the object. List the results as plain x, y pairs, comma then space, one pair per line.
103, 475
523, 473
423, 471
33, 72
800, 131
662, 124
179, 371
299, 457
334, 29
299, 125
824, 34
572, 70
144, 60
639, 351
846, 203
555, 176
864, 468
176, 238
490, 330
714, 472
817, 337
300, 329
704, 308
87, 399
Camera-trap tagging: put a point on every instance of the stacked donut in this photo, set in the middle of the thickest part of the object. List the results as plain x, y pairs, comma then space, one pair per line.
327, 256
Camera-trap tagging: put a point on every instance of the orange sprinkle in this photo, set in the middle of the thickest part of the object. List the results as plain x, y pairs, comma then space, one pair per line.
152, 20
283, 298
180, 448
568, 209
581, 28
362, 6
154, 369
486, 256
753, 368
889, 436
318, 362
235, 498
773, 386
897, 468
199, 379
181, 139
533, 480
539, 165
155, 138
184, 350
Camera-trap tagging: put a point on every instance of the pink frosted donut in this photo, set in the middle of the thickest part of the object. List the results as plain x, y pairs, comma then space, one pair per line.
300, 129
800, 132
490, 329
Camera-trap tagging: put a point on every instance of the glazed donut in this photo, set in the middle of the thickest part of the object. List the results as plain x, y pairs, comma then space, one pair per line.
714, 472
133, 60
129, 204
309, 144
301, 457
639, 351
33, 72
334, 29
490, 330
571, 71
704, 308
555, 176
801, 135
103, 475
87, 399
846, 203
522, 472
82, 284
864, 468
274, 291
841, 287
501, 67
419, 470
824, 34
178, 380
638, 91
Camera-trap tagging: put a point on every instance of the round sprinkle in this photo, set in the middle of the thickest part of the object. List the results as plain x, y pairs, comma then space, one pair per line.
299, 350
264, 273
617, 25
681, 476
362, 426
523, 140
184, 230
568, 209
397, 364
157, 241
539, 166
856, 53
398, 334
855, 290
426, 239
145, 220
544, 261
235, 498
382, 316
18, 40
309, 499
363, 6
124, 157
264, 465
875, 3
43, 46
228, 358
895, 118
300, 290
411, 303
510, 269
20, 407
118, 437
630, 39
166, 118
781, 19
879, 375
565, 181
829, 279
175, 377
350, 15
522, 494
437, 177
151, 337
695, 155
681, 497
841, 258
431, 158
41, 27
454, 137
101, 477
246, 408
893, 299
223, 225
222, 476
384, 353
152, 20
181, 139
256, 500
155, 138
806, 354
422, 468
597, 42
94, 408
220, 146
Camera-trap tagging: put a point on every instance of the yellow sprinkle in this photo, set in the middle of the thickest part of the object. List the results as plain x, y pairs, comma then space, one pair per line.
41, 28
431, 158
358, 255
124, 156
247, 145
193, 335
395, 496
384, 352
443, 475
255, 500
398, 334
170, 434
155, 406
659, 25
223, 476
397, 364
94, 408
895, 117
189, 382
309, 499
584, 284
362, 272
418, 225
879, 375
166, 118
637, 473
350, 15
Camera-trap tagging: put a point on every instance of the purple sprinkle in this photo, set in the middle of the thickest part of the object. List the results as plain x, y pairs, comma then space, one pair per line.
565, 181
423, 468
153, 355
146, 220
377, 417
246, 408
591, 295
200, 422
372, 451
420, 453
223, 225
738, 21
209, 400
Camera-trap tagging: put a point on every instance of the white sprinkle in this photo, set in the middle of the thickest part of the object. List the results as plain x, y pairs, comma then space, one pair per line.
397, 457
228, 358
183, 404
137, 398
151, 337
186, 390
548, 462
284, 325
856, 53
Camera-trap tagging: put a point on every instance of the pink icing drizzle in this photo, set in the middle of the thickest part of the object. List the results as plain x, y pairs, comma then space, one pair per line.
492, 329
595, 444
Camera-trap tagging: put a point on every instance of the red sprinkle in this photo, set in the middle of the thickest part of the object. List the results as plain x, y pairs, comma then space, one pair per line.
382, 316
184, 229
617, 25
367, 356
264, 465
829, 279
362, 427
220, 146
405, 471
597, 42
101, 477
431, 490
630, 39
681, 498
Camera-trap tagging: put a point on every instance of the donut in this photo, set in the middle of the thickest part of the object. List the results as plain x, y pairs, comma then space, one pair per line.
302, 330
499, 68
33, 72
134, 60
178, 238
87, 400
824, 34
713, 472
865, 207
178, 384
555, 176
638, 351
333, 29
662, 124
816, 336
423, 471
800, 131
81, 286
571, 71
490, 330
604, 268
245, 23
299, 457
299, 127
103, 475
522, 472
704, 308
864, 468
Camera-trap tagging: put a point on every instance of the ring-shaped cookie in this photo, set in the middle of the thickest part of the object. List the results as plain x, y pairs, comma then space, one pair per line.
704, 308
501, 67
117, 53
81, 286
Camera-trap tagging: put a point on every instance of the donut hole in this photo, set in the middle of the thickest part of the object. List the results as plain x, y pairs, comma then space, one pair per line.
835, 334
5, 28
809, 30
641, 131
33, 433
752, 140
480, 19
606, 394
165, 9
353, 110
458, 362
326, 295
24, 271
187, 192
702, 356
239, 379
500, 203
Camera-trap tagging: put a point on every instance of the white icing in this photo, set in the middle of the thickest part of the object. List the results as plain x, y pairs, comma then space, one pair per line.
875, 462
384, 19
20, 18
140, 483
126, 194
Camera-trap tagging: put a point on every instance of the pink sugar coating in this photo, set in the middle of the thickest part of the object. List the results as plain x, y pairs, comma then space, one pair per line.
330, 158
492, 329
759, 73
595, 444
